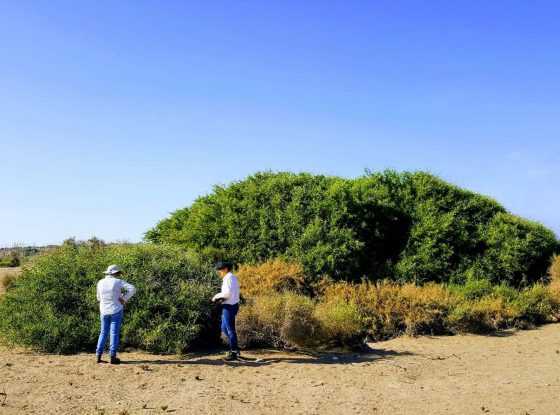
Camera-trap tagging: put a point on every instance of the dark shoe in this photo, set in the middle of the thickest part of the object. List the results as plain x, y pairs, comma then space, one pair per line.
99, 359
231, 357
115, 360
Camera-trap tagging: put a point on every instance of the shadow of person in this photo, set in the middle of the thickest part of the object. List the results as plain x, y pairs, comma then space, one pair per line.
371, 356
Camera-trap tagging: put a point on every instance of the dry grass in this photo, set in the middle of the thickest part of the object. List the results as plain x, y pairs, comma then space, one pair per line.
7, 275
389, 309
275, 275
342, 313
280, 320
554, 274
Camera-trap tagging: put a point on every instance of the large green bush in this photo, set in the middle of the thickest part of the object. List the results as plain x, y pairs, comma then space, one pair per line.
401, 226
53, 306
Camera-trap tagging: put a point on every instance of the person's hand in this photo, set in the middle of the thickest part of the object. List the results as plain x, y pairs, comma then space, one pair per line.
122, 301
216, 298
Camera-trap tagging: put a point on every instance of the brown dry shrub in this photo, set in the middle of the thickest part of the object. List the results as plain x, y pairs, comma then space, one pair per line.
7, 276
481, 316
425, 308
554, 275
343, 313
276, 275
283, 320
389, 309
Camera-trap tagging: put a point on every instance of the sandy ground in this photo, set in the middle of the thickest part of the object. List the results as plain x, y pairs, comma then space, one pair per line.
511, 373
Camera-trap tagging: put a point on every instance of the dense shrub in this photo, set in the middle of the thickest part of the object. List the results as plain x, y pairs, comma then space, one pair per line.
554, 270
473, 289
340, 323
12, 260
282, 320
518, 251
481, 315
7, 277
388, 309
346, 314
537, 305
53, 307
410, 227
272, 276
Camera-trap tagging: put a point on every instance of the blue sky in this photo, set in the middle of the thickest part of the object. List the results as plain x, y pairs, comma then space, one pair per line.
113, 114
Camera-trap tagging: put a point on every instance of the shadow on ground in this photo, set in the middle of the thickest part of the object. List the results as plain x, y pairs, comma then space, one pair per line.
316, 359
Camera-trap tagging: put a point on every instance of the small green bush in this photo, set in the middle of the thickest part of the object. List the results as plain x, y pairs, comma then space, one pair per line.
481, 315
537, 305
473, 289
52, 307
10, 261
341, 323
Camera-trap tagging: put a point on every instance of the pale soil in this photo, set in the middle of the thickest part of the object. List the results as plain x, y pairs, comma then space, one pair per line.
513, 373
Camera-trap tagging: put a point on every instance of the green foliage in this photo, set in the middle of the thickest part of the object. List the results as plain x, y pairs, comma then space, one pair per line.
400, 226
341, 323
343, 314
10, 261
475, 289
518, 251
537, 305
52, 306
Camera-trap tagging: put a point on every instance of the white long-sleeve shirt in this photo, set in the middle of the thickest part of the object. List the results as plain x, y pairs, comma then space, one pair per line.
109, 291
230, 290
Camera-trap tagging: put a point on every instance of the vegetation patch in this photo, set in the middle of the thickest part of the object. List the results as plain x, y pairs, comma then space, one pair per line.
406, 227
7, 277
52, 307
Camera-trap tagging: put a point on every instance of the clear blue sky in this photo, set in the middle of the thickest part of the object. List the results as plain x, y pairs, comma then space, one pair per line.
113, 114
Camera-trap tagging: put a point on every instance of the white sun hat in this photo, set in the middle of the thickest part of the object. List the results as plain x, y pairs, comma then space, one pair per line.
112, 270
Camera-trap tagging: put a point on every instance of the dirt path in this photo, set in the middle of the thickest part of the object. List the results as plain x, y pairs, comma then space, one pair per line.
514, 373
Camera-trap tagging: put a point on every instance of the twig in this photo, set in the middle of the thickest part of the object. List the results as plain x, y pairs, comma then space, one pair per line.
4, 397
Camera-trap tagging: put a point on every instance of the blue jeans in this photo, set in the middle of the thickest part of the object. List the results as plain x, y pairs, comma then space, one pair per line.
110, 324
228, 324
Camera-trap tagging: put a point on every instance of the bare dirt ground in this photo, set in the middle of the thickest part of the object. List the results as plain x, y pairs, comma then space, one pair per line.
510, 373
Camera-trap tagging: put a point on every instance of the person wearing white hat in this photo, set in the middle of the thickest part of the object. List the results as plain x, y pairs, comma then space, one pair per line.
111, 304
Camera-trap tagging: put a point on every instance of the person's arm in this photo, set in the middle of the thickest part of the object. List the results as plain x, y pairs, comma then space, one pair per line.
97, 292
130, 290
226, 290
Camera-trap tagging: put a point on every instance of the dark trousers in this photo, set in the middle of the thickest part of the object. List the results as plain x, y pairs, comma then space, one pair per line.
228, 324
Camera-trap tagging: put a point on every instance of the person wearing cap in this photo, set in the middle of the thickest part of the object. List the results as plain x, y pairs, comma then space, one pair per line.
111, 305
229, 297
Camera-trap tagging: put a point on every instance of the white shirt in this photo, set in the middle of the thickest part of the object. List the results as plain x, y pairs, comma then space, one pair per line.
109, 290
230, 290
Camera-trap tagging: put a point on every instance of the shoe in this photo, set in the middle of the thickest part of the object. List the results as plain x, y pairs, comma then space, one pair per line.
231, 357
99, 359
115, 360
